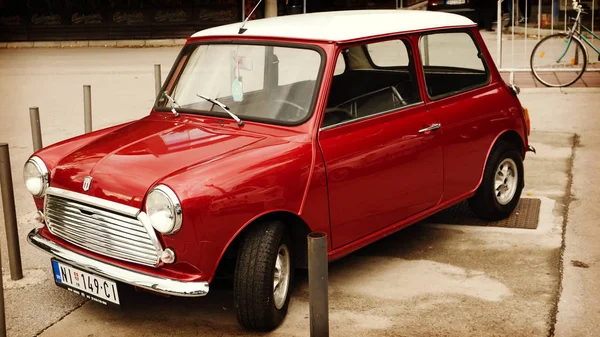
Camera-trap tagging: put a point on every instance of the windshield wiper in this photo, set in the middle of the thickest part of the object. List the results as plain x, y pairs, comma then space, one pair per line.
173, 103
224, 107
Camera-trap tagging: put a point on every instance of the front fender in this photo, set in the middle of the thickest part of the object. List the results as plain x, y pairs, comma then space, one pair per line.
220, 198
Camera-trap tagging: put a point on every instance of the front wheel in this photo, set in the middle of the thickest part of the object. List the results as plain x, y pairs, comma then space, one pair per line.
263, 276
502, 183
558, 60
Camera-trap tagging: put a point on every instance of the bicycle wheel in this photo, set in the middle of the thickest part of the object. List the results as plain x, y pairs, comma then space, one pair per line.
558, 61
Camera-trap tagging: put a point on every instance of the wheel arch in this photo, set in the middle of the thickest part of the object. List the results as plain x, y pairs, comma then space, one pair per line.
510, 136
298, 229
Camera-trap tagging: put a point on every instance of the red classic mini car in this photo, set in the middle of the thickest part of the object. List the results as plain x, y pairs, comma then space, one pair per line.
356, 124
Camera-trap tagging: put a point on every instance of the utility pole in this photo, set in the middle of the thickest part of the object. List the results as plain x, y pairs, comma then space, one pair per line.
270, 8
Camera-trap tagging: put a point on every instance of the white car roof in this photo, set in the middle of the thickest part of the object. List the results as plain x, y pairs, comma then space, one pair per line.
341, 26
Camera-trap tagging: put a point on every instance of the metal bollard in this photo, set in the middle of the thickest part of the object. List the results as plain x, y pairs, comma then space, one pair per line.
87, 108
2, 319
36, 132
499, 28
10, 215
157, 79
318, 280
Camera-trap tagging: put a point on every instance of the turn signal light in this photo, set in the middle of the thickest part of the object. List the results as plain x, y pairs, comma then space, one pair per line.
167, 256
39, 217
527, 120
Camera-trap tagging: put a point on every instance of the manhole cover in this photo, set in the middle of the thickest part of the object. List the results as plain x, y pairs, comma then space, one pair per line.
526, 216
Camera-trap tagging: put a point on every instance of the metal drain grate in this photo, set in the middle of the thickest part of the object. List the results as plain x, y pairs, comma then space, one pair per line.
525, 216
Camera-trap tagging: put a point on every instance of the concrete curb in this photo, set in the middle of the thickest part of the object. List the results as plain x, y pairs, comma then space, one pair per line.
96, 43
533, 31
566, 90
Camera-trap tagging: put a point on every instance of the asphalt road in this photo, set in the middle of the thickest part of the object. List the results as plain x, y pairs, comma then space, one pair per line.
427, 280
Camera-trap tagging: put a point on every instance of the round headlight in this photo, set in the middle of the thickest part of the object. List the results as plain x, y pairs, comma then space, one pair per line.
35, 175
164, 210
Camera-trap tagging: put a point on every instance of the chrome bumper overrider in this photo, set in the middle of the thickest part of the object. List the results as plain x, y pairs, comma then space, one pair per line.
153, 283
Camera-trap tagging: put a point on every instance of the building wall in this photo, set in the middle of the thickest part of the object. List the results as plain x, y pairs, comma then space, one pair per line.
59, 20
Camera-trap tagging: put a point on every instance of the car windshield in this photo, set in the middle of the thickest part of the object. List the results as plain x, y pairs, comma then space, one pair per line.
266, 83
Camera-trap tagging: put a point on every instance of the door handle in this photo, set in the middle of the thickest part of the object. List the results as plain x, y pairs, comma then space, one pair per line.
431, 128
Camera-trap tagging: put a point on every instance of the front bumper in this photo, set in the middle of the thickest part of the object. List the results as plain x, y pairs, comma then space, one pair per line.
152, 283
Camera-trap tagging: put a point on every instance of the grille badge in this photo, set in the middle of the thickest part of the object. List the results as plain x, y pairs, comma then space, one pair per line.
87, 182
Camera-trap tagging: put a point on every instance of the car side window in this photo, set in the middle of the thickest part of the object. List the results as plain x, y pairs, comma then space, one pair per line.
374, 78
391, 53
452, 63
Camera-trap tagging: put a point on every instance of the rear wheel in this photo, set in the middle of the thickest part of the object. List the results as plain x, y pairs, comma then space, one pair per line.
558, 60
263, 275
502, 183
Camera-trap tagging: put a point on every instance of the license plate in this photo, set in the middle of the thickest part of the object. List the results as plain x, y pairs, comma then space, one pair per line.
85, 284
455, 2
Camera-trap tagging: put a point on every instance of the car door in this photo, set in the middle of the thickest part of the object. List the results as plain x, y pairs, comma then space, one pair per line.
381, 146
457, 81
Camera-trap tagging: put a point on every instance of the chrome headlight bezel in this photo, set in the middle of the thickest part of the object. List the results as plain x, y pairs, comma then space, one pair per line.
172, 203
44, 175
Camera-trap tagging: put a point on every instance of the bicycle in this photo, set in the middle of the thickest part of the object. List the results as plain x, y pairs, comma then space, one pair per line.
559, 60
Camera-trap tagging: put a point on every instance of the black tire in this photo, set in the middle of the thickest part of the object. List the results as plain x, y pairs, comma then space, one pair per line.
485, 203
253, 289
555, 81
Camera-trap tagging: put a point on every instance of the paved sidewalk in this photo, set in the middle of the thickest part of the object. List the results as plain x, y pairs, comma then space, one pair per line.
576, 110
527, 80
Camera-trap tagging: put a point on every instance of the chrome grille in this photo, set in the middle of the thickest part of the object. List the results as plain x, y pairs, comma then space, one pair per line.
101, 231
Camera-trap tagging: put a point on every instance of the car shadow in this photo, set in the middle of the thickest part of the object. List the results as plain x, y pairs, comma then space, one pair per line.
217, 309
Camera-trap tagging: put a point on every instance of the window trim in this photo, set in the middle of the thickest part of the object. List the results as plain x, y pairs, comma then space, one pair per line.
174, 77
408, 43
464, 90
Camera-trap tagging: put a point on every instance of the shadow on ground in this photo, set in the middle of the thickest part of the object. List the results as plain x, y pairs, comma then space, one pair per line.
417, 280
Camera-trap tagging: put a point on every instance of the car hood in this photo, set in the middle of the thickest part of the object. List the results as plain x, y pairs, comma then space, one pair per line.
125, 163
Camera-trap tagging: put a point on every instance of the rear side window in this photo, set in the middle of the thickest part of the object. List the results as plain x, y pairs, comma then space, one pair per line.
452, 63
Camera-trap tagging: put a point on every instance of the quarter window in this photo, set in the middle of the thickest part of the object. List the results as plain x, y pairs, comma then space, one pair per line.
371, 79
340, 65
452, 63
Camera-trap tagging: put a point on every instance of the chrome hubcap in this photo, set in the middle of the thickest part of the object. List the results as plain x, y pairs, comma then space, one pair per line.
281, 277
505, 181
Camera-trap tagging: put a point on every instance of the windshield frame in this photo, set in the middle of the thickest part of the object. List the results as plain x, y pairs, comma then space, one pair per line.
176, 72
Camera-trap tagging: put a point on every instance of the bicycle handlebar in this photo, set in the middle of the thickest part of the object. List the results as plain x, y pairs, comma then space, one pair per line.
577, 6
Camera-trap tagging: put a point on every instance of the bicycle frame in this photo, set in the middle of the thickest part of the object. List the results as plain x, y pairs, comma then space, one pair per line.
582, 37
576, 30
